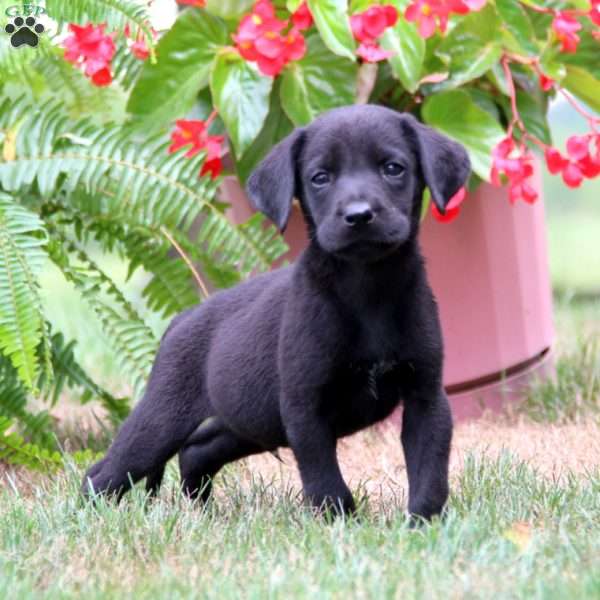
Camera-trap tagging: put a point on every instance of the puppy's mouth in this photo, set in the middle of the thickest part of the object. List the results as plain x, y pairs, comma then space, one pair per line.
367, 250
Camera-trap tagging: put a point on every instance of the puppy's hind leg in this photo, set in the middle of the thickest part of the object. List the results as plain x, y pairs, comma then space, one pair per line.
156, 429
206, 451
154, 481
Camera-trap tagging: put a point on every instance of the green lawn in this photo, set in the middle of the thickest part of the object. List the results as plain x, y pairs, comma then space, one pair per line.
508, 533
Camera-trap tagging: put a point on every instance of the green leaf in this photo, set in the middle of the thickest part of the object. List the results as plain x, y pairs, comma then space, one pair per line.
587, 55
228, 9
518, 23
167, 89
241, 95
276, 127
331, 19
22, 238
584, 85
293, 5
533, 113
409, 48
318, 82
456, 115
471, 48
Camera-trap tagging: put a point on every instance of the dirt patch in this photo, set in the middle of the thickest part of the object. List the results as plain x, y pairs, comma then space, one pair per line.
374, 458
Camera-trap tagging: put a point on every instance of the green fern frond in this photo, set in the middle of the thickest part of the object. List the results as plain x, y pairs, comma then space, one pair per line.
68, 373
172, 287
77, 93
13, 404
16, 66
15, 450
22, 324
132, 339
148, 186
126, 67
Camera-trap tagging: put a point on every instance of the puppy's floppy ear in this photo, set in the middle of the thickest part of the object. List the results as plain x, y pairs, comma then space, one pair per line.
272, 185
444, 163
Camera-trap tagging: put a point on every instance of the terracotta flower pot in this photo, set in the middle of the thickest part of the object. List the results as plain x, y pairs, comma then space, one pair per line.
489, 271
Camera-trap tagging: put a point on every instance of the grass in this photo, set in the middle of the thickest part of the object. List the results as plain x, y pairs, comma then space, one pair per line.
509, 532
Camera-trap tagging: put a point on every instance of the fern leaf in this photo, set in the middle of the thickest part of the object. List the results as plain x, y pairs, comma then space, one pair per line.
148, 186
15, 450
22, 325
13, 404
131, 338
69, 373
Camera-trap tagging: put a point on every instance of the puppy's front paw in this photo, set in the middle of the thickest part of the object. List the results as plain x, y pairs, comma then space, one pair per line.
332, 504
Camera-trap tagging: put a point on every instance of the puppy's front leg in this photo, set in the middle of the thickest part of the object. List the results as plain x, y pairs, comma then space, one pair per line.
314, 445
426, 438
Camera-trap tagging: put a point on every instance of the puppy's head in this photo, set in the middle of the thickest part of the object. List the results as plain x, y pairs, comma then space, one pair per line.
359, 173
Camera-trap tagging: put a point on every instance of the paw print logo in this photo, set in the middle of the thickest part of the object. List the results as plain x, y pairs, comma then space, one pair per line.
24, 31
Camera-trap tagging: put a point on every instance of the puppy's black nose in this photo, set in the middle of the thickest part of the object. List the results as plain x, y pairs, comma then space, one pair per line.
358, 213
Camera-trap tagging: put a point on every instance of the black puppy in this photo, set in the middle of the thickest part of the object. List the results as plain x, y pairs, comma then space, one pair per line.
309, 353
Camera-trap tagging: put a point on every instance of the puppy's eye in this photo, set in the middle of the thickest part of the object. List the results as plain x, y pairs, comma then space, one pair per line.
393, 169
320, 178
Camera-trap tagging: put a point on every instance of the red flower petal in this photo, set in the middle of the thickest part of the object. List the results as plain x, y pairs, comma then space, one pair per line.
589, 167
572, 175
578, 146
213, 166
140, 50
269, 45
546, 83
555, 160
302, 17
270, 66
391, 14
528, 193
371, 52
374, 21
102, 77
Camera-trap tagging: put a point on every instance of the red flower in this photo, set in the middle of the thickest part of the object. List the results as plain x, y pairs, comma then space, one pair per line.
138, 46
594, 13
195, 132
102, 77
452, 208
565, 27
302, 18
572, 175
368, 26
555, 161
91, 48
89, 42
140, 49
463, 7
259, 40
578, 146
198, 3
515, 164
428, 15
546, 83
370, 52
582, 161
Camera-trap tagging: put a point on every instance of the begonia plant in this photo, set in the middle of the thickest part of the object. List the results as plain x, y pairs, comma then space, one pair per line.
481, 71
